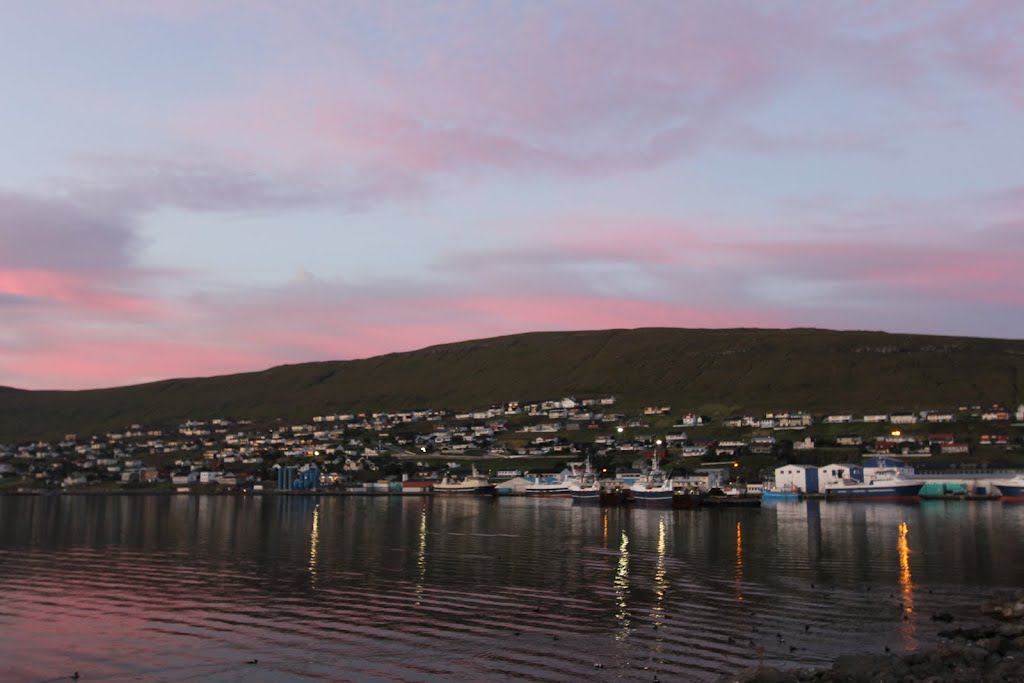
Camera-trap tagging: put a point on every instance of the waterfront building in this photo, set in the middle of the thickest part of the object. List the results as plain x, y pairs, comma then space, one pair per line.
797, 477
837, 473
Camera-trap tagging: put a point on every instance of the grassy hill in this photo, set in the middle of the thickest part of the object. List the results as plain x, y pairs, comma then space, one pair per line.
711, 371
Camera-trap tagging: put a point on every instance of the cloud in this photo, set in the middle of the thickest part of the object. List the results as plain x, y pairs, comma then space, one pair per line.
62, 234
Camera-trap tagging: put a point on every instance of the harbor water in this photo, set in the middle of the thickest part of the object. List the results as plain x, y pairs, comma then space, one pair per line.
276, 588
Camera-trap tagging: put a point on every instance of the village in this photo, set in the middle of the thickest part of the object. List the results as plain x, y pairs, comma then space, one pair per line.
362, 450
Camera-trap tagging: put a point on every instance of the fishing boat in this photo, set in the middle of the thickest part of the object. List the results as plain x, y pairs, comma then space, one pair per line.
548, 488
583, 485
771, 494
1011, 490
472, 484
885, 485
686, 497
653, 489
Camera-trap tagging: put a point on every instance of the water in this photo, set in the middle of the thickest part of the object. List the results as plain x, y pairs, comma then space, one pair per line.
416, 589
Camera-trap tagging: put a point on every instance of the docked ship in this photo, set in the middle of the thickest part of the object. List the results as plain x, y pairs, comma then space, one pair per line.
548, 488
771, 494
1011, 490
653, 489
886, 485
472, 484
583, 486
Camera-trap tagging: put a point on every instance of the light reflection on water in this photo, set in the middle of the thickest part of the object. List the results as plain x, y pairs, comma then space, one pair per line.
191, 588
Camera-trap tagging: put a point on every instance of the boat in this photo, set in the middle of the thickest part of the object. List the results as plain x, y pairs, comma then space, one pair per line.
472, 484
685, 497
717, 497
583, 485
585, 488
550, 487
653, 489
547, 489
886, 485
1011, 490
770, 494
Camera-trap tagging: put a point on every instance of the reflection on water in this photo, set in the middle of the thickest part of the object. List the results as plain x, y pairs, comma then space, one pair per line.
660, 576
380, 589
421, 557
906, 587
622, 587
314, 543
739, 561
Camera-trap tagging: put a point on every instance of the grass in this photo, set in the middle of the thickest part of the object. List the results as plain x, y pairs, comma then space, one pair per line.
715, 372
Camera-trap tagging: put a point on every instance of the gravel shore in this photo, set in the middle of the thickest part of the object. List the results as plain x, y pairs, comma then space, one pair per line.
992, 651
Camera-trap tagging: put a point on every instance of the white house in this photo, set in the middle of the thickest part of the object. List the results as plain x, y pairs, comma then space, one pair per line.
829, 475
797, 477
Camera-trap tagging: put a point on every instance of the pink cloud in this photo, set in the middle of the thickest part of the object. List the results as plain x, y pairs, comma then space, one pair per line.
79, 291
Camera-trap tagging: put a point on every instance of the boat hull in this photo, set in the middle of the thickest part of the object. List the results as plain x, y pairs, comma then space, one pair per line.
653, 498
550, 492
879, 493
586, 496
683, 500
1011, 493
488, 490
770, 496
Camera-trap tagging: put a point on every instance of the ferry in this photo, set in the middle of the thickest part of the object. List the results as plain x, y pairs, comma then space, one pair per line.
886, 485
473, 484
1011, 490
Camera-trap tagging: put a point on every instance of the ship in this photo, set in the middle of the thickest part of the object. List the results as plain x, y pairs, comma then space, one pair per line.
472, 484
1011, 490
886, 485
771, 494
653, 489
583, 486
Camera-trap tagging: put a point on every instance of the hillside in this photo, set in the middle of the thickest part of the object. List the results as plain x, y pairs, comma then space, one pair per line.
711, 371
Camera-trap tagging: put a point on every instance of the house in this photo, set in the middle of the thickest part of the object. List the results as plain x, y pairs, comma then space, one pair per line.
850, 440
903, 419
995, 416
876, 418
762, 444
844, 418
938, 417
797, 477
836, 473
805, 444
956, 448
994, 440
657, 410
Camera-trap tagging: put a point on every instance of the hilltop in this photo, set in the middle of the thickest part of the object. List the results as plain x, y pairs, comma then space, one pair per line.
715, 372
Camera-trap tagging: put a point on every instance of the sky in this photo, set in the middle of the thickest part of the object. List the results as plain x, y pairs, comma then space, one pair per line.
193, 188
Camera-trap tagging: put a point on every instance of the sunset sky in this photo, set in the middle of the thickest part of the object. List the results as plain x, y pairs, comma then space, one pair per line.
201, 187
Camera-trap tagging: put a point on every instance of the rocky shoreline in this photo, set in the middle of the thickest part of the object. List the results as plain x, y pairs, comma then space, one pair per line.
993, 651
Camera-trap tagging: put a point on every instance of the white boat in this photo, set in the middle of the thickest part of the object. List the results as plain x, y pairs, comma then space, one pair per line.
472, 484
887, 485
548, 488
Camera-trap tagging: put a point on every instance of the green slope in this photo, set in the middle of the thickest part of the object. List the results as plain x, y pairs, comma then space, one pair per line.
713, 371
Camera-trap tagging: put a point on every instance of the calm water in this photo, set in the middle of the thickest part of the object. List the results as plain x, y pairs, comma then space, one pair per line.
414, 589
